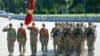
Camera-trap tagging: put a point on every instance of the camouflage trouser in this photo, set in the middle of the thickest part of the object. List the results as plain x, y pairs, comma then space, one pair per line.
55, 44
44, 44
72, 42
33, 44
90, 44
83, 44
78, 45
60, 45
67, 45
10, 44
22, 43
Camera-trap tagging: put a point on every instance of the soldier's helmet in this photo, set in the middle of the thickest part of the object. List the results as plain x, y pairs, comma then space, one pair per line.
89, 23
10, 24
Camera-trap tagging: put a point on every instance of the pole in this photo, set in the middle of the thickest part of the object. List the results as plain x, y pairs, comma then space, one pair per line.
2, 6
25, 6
67, 5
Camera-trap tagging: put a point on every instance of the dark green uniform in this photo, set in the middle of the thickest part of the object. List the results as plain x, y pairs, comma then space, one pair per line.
11, 37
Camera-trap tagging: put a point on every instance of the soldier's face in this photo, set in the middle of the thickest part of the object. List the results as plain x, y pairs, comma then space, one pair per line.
10, 26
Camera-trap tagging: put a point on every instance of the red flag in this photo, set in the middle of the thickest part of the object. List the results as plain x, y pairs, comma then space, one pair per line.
28, 17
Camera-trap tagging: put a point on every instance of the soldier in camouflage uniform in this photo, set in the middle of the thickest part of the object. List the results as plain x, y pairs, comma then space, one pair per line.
11, 37
44, 37
83, 37
54, 35
67, 38
72, 42
33, 38
21, 38
90, 34
78, 39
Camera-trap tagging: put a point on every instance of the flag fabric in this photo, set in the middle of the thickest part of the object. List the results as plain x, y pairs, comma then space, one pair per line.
28, 17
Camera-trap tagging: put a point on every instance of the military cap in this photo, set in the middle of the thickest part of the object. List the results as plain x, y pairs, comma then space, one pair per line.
10, 24
77, 24
55, 23
89, 23
43, 24
33, 23
21, 23
66, 23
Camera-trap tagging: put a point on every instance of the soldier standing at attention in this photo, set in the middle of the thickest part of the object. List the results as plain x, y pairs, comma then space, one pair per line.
21, 38
11, 37
44, 37
78, 39
33, 38
54, 35
67, 39
90, 38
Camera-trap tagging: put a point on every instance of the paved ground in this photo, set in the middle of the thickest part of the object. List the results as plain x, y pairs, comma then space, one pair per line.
49, 25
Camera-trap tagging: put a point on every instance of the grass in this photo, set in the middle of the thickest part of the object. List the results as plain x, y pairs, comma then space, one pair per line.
72, 15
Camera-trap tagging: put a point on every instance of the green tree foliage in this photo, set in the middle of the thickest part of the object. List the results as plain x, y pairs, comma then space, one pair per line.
53, 6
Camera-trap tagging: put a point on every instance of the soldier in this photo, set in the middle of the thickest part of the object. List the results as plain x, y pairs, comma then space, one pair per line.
83, 37
72, 26
33, 38
55, 38
21, 38
67, 39
60, 41
78, 39
11, 37
44, 37
90, 34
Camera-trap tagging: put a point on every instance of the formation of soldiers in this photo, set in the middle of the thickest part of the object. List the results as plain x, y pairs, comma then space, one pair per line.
67, 38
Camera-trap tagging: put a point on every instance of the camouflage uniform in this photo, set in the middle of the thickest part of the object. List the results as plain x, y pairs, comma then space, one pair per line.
21, 38
60, 40
78, 39
90, 33
11, 37
33, 38
55, 34
72, 39
67, 39
44, 37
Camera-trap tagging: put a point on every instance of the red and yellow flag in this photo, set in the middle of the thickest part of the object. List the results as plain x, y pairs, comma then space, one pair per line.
28, 17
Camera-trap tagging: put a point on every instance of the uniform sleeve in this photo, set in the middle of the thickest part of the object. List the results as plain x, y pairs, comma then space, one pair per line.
5, 29
40, 35
48, 33
29, 28
18, 35
51, 34
15, 34
25, 32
